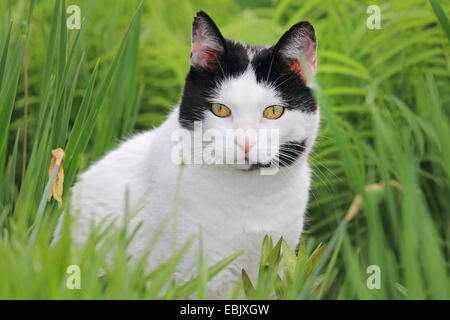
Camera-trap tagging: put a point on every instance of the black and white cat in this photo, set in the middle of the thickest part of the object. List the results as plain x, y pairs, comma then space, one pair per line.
230, 86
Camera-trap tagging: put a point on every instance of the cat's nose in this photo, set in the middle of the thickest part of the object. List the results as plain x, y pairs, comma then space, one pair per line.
245, 144
246, 136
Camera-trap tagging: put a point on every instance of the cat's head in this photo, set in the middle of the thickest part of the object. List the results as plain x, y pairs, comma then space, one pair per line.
235, 86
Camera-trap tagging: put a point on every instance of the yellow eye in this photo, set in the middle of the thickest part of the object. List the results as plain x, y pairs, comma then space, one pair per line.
273, 112
220, 110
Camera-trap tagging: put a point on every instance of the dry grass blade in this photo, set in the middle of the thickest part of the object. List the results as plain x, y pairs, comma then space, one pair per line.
356, 205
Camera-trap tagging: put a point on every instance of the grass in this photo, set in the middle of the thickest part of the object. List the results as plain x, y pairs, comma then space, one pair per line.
384, 101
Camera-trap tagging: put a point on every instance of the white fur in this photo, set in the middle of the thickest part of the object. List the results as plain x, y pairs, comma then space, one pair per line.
233, 208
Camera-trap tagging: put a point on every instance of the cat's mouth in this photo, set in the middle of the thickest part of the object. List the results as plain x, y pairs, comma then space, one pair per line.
259, 166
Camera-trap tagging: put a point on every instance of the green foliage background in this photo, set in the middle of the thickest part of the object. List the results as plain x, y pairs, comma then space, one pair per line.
384, 97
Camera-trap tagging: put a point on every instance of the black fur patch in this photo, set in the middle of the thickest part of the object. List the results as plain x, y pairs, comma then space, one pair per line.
200, 83
271, 68
290, 151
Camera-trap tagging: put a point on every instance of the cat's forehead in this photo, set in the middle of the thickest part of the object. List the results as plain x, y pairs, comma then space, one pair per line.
244, 92
239, 56
251, 50
238, 85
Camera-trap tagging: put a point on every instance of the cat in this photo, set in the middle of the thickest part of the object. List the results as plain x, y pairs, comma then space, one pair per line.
230, 86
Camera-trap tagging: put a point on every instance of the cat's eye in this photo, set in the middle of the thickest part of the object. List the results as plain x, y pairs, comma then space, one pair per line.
220, 110
273, 112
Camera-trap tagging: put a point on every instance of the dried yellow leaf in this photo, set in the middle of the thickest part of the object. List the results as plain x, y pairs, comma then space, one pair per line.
357, 202
57, 188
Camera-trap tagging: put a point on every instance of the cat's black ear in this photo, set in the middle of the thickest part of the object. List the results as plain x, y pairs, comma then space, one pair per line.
298, 48
208, 44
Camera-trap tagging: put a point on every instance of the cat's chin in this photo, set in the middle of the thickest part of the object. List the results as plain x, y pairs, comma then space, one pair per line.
243, 167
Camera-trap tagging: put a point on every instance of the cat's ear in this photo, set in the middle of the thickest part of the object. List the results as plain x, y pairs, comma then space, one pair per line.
298, 48
208, 44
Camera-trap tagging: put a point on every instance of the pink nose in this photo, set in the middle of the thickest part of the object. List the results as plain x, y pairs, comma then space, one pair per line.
246, 146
